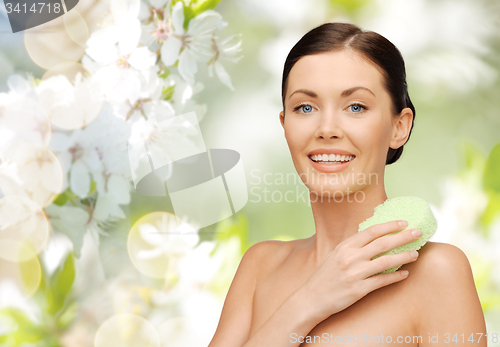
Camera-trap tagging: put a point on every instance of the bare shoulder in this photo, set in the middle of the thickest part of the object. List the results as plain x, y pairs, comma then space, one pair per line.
442, 286
439, 260
440, 265
267, 255
270, 246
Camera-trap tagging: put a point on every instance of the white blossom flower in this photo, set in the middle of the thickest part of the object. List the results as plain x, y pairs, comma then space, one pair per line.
110, 136
119, 59
8, 170
79, 158
165, 138
72, 221
9, 175
148, 100
30, 170
119, 84
116, 191
95, 152
19, 86
191, 45
227, 49
182, 98
120, 37
68, 106
149, 7
25, 116
159, 28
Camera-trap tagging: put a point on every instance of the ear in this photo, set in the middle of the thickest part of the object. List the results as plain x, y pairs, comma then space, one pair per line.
401, 128
282, 119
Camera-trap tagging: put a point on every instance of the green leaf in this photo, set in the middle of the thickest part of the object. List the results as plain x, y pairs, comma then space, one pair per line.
192, 8
86, 201
40, 296
164, 73
60, 284
491, 176
27, 330
188, 15
61, 199
71, 195
491, 185
167, 93
201, 6
68, 316
492, 210
93, 186
64, 279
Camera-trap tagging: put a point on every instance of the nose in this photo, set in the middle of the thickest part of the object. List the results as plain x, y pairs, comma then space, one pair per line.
329, 126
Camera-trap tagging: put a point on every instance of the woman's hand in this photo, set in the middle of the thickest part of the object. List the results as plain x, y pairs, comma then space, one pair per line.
346, 275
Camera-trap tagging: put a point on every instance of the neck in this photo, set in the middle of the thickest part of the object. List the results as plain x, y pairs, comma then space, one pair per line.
338, 220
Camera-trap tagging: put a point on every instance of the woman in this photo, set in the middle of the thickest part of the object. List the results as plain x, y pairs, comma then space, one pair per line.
345, 100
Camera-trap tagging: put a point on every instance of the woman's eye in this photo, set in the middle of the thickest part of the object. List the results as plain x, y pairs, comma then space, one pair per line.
305, 108
357, 108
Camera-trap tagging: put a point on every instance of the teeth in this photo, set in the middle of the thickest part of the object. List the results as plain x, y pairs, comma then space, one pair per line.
332, 157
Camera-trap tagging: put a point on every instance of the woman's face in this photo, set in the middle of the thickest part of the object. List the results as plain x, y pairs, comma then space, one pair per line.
336, 103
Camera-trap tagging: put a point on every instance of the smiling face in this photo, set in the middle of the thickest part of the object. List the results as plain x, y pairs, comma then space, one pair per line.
336, 103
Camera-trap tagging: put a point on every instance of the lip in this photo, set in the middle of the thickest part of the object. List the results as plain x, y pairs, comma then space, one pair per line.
329, 151
330, 167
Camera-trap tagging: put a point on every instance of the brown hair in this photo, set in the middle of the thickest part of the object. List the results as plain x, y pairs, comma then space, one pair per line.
331, 37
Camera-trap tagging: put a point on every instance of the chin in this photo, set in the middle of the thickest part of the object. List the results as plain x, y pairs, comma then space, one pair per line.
326, 192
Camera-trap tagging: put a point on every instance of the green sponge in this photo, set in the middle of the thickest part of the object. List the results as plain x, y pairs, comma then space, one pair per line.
415, 211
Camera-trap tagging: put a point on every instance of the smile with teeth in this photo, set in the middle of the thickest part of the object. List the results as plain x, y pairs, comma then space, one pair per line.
331, 158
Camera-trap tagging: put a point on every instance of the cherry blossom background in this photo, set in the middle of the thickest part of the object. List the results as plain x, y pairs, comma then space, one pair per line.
77, 266
86, 261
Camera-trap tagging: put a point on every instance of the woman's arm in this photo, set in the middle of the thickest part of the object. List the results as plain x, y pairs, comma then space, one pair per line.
449, 309
234, 323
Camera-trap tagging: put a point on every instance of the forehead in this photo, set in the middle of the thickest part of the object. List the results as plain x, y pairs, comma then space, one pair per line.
333, 72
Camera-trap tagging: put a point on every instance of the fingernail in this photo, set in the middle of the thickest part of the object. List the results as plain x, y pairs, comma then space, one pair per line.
403, 223
416, 232
414, 254
404, 273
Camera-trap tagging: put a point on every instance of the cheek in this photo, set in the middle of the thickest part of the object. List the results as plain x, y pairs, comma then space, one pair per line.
371, 138
297, 136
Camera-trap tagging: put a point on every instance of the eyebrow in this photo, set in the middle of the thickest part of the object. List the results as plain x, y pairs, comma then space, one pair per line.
344, 94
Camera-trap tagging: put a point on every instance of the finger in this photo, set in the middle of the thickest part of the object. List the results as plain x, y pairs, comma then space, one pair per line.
375, 231
389, 261
388, 242
381, 280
